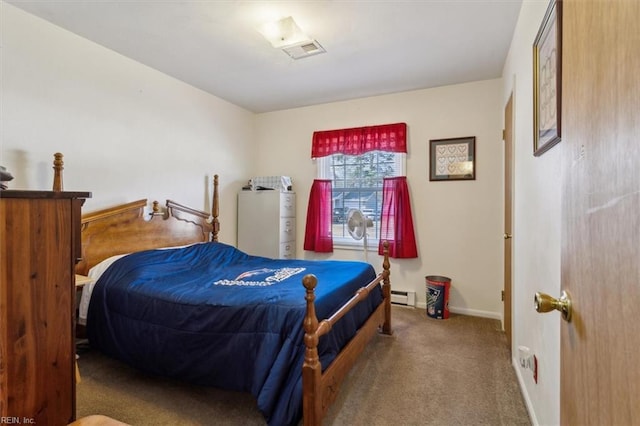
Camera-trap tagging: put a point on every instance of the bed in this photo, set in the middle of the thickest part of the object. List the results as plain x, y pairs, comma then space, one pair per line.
172, 300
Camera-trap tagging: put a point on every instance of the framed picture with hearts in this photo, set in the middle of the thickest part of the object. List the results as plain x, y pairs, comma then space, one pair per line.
452, 159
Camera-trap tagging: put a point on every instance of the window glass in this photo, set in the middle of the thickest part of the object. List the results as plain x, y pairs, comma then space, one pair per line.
357, 184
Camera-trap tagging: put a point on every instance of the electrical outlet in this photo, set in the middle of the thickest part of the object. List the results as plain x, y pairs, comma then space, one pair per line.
535, 369
524, 356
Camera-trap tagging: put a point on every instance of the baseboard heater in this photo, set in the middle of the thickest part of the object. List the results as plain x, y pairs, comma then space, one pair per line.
404, 298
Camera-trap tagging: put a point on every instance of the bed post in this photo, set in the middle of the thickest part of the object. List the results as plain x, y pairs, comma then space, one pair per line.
386, 289
57, 172
215, 207
311, 368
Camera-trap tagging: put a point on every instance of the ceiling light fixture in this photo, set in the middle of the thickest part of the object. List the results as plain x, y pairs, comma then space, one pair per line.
282, 33
286, 35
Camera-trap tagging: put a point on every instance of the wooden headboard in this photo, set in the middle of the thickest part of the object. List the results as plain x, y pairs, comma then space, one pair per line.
125, 229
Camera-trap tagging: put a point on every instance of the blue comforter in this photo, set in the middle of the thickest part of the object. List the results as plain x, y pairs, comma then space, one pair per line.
216, 316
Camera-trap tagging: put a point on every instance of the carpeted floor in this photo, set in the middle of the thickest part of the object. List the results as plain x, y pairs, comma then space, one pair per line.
430, 372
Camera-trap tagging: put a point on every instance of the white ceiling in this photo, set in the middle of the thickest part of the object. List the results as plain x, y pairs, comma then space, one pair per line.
372, 47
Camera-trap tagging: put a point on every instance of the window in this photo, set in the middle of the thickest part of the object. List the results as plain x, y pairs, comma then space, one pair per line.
357, 184
356, 168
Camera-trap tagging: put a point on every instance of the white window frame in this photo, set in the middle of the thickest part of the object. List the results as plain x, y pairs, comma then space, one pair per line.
323, 165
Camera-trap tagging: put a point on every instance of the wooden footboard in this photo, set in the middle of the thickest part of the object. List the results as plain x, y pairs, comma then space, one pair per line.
320, 390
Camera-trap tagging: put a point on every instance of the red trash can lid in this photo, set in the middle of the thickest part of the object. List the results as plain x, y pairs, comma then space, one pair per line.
438, 279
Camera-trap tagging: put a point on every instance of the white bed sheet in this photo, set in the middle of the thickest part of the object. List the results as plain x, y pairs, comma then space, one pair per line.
94, 274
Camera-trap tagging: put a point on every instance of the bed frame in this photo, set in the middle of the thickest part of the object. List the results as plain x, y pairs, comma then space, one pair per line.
127, 228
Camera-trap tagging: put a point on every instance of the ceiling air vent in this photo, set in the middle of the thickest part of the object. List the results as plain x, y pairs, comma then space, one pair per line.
303, 50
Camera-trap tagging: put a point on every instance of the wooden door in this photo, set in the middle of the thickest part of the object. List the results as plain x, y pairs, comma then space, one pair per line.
600, 373
508, 197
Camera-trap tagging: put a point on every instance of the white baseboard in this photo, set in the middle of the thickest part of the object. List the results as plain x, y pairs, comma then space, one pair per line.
523, 391
466, 311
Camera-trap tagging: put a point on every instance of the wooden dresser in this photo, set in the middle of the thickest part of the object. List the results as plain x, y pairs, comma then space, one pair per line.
39, 247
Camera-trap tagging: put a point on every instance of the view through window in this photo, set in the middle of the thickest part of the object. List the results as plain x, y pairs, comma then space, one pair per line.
357, 184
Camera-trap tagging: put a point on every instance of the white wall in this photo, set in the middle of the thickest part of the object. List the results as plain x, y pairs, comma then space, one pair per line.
130, 132
536, 231
458, 224
127, 131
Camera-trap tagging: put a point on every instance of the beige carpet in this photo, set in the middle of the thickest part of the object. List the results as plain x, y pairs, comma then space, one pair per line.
430, 372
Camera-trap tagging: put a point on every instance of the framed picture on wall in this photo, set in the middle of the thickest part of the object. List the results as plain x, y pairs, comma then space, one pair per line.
452, 159
547, 80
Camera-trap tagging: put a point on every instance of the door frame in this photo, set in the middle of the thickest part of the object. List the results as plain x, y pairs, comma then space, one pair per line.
508, 219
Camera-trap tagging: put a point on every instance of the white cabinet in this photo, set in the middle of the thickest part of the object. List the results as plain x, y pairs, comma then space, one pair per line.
267, 223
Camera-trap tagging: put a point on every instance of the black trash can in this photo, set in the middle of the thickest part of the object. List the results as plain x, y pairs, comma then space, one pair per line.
438, 296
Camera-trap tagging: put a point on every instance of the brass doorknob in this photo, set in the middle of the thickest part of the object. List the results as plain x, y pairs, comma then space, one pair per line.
545, 303
507, 236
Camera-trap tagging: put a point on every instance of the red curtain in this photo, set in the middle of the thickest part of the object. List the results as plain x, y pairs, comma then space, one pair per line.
358, 140
396, 225
317, 236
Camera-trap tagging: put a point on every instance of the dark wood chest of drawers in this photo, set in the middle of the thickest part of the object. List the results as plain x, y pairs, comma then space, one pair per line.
39, 247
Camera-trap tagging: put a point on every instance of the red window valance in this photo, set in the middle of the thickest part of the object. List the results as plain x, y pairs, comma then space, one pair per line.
358, 140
